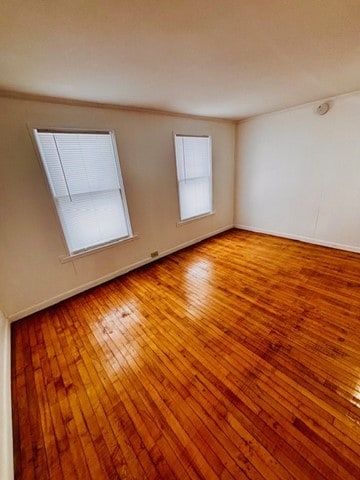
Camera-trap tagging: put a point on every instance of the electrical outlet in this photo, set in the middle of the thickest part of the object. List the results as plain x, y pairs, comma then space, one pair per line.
154, 254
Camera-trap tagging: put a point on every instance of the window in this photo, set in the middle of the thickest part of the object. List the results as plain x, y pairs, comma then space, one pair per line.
193, 162
84, 175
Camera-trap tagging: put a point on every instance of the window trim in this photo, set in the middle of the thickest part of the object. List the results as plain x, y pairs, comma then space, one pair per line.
193, 219
211, 211
68, 256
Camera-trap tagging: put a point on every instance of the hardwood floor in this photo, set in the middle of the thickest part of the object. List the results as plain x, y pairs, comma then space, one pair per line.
237, 358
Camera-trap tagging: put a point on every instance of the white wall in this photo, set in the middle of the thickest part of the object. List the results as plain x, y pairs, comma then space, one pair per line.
298, 173
6, 446
31, 243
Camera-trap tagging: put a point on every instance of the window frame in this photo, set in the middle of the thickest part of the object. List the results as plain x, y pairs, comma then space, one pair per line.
68, 256
211, 212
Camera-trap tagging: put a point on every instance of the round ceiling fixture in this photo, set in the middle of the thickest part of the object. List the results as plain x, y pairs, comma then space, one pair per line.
323, 108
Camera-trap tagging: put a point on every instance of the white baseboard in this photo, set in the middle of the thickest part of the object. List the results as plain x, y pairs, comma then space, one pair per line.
110, 276
6, 438
301, 238
196, 240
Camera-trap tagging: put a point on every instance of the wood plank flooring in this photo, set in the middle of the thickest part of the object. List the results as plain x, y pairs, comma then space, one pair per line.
238, 358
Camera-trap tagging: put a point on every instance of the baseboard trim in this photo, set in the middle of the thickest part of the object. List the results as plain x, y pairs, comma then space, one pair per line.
6, 438
300, 238
82, 288
196, 240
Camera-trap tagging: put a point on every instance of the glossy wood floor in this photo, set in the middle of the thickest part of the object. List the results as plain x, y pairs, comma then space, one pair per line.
237, 358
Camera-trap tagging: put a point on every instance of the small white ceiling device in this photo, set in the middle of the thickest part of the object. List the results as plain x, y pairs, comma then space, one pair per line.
323, 108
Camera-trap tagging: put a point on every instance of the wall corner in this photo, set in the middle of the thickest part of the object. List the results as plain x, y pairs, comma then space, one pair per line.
6, 437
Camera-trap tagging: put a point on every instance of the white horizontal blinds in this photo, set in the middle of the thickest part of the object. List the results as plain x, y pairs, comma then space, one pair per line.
193, 160
84, 177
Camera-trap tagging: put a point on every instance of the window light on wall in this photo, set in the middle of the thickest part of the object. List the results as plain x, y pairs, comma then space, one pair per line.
84, 176
194, 174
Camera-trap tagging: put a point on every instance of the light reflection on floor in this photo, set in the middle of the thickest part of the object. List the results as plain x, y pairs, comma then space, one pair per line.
202, 270
118, 325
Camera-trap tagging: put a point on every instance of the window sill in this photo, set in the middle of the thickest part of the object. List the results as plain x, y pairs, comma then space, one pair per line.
75, 256
193, 219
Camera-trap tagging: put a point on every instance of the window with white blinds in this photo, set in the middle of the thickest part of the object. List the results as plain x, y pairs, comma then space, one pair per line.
84, 175
194, 173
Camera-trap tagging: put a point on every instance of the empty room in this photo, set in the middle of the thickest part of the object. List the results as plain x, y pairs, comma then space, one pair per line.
180, 240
